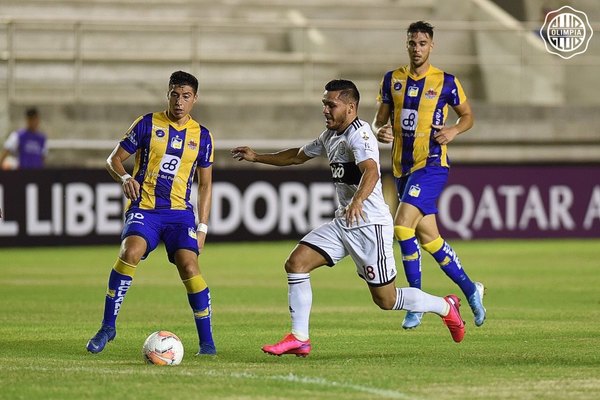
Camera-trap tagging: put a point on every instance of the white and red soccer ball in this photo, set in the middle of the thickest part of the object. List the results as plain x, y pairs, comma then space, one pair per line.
163, 348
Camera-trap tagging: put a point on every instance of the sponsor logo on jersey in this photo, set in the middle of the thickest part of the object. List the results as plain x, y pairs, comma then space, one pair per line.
398, 85
177, 143
413, 91
346, 172
131, 137
159, 130
208, 153
438, 117
192, 145
455, 96
431, 94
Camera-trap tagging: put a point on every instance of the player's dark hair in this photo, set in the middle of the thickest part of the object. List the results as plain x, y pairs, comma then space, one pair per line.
180, 78
348, 89
420, 26
31, 112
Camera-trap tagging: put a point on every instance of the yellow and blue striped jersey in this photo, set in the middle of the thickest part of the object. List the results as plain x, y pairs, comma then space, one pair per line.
166, 159
417, 102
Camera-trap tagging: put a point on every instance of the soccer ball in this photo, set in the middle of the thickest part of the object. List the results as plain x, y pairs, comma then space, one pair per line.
162, 348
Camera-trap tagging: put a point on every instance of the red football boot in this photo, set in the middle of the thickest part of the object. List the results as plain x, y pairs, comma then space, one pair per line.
453, 320
288, 345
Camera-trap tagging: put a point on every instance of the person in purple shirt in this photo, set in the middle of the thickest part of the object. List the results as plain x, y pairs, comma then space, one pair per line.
27, 145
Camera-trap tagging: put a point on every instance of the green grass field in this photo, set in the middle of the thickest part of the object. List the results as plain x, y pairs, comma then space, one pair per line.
541, 339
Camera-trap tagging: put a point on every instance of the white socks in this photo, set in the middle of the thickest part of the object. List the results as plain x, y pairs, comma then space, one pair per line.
416, 300
300, 302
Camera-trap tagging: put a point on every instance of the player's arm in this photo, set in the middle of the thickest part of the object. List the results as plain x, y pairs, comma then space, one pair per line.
3, 154
381, 123
10, 147
368, 180
114, 165
281, 158
446, 134
204, 203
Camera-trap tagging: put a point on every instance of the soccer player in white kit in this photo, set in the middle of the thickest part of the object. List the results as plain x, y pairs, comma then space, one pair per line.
362, 226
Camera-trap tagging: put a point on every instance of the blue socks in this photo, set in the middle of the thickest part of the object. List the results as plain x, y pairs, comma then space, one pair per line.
119, 282
411, 254
441, 252
450, 264
199, 299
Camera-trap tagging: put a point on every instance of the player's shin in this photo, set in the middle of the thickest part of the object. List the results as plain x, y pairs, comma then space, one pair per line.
450, 264
416, 300
411, 254
199, 299
119, 282
300, 303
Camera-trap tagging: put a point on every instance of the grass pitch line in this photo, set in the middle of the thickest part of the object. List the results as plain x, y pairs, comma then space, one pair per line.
305, 380
389, 394
386, 393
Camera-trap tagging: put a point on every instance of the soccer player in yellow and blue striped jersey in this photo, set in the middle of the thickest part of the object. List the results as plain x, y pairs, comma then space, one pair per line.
170, 148
413, 105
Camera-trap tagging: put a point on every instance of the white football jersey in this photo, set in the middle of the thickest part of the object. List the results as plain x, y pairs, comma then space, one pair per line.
345, 151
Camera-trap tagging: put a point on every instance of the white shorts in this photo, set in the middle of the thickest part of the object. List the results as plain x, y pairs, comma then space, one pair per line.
370, 246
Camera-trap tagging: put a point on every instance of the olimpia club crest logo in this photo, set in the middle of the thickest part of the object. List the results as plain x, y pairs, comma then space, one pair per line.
566, 32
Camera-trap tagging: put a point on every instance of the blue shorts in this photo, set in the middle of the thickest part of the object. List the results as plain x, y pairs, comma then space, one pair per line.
176, 228
422, 188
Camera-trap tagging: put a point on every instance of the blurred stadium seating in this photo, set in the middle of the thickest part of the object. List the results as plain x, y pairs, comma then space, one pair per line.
93, 66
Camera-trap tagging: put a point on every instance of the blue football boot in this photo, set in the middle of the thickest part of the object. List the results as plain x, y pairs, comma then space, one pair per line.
103, 336
412, 320
476, 303
207, 350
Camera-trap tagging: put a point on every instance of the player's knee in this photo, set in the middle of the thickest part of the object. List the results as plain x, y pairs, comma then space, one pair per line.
131, 255
383, 302
188, 270
293, 265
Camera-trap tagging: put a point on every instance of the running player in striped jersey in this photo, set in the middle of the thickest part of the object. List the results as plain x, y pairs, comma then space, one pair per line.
170, 148
362, 227
415, 98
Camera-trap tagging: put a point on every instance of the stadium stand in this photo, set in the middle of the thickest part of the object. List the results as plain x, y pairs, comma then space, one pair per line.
93, 66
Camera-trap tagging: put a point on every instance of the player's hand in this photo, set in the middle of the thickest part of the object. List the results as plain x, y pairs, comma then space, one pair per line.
243, 153
354, 213
131, 188
385, 134
444, 134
